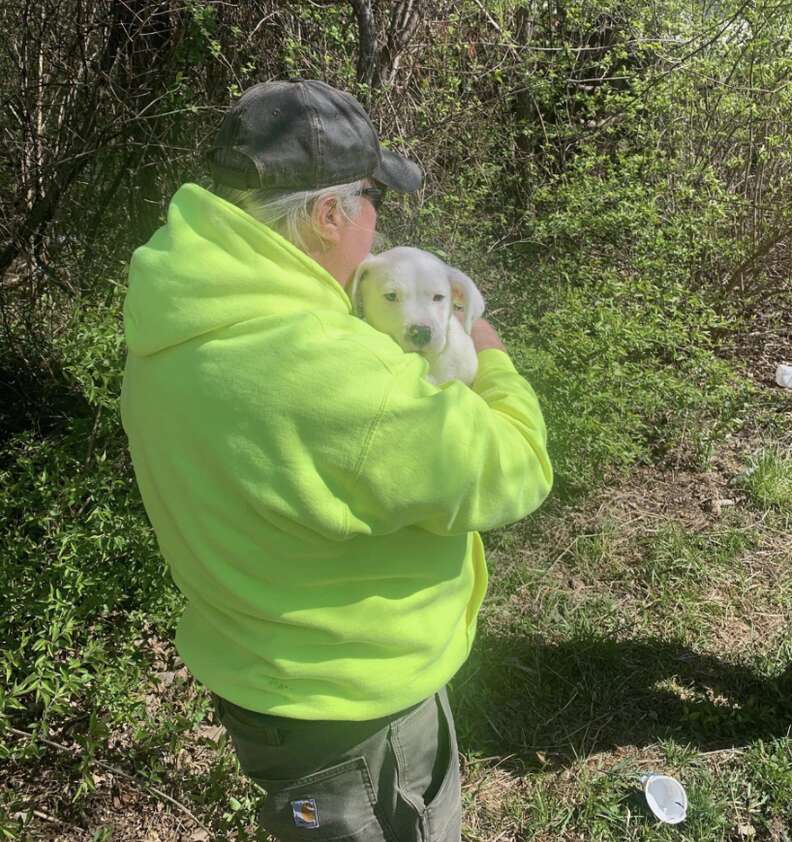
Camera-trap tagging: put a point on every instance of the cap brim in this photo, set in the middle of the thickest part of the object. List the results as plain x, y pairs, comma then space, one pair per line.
398, 173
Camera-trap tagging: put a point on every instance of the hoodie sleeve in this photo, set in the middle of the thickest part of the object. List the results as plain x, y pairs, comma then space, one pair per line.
454, 459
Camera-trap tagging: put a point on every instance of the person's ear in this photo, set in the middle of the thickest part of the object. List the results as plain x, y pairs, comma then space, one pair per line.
327, 219
466, 294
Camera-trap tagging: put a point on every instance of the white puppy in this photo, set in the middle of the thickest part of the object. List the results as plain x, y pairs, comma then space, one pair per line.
412, 296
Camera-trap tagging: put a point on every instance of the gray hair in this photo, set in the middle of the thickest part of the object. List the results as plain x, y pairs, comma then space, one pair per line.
289, 213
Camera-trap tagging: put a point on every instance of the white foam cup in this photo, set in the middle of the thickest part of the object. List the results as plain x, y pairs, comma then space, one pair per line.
666, 798
784, 376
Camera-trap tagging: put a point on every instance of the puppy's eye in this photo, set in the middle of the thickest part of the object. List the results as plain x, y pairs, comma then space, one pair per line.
391, 296
439, 297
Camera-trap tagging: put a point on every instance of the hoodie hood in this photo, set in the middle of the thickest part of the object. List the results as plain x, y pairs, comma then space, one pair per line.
211, 266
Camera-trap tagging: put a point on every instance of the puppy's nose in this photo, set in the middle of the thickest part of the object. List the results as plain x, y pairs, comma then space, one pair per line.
419, 335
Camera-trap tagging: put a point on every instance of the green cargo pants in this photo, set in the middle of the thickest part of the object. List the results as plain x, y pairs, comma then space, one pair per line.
394, 779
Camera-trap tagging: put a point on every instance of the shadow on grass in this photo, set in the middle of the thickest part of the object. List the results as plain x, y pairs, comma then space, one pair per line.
569, 700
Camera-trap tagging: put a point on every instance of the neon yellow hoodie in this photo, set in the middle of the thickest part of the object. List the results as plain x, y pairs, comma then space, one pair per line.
315, 498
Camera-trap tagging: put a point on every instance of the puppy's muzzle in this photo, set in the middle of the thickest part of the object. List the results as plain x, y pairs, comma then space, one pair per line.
419, 335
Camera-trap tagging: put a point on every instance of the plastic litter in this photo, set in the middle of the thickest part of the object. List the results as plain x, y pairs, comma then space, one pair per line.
784, 376
666, 798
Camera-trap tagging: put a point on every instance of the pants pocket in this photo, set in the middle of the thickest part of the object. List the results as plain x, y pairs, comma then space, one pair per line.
337, 803
444, 812
427, 765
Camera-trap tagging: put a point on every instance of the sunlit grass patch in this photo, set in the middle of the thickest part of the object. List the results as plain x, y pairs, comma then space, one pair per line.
686, 560
768, 480
690, 578
734, 793
768, 766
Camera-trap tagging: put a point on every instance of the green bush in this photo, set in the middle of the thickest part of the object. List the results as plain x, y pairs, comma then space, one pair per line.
81, 570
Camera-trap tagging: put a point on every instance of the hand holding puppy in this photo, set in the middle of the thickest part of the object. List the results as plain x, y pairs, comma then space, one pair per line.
482, 333
484, 336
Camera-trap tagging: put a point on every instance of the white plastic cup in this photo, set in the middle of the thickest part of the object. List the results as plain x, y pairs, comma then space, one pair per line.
666, 798
784, 376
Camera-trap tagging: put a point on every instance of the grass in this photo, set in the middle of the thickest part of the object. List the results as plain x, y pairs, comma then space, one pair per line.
644, 625
769, 480
658, 640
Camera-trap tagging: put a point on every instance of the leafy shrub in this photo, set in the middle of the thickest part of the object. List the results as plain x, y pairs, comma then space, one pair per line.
78, 559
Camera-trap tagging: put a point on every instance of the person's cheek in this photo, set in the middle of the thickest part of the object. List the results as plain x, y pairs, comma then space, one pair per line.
366, 241
372, 230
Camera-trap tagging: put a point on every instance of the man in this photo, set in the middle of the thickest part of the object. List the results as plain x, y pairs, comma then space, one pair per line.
316, 499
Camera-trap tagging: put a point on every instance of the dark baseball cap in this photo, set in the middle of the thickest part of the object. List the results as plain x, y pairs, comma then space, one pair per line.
302, 134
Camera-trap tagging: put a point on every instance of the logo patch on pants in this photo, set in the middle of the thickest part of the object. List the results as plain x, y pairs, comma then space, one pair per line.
305, 813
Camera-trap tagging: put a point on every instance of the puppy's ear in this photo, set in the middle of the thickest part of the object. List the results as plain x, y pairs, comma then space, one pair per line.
354, 291
466, 293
